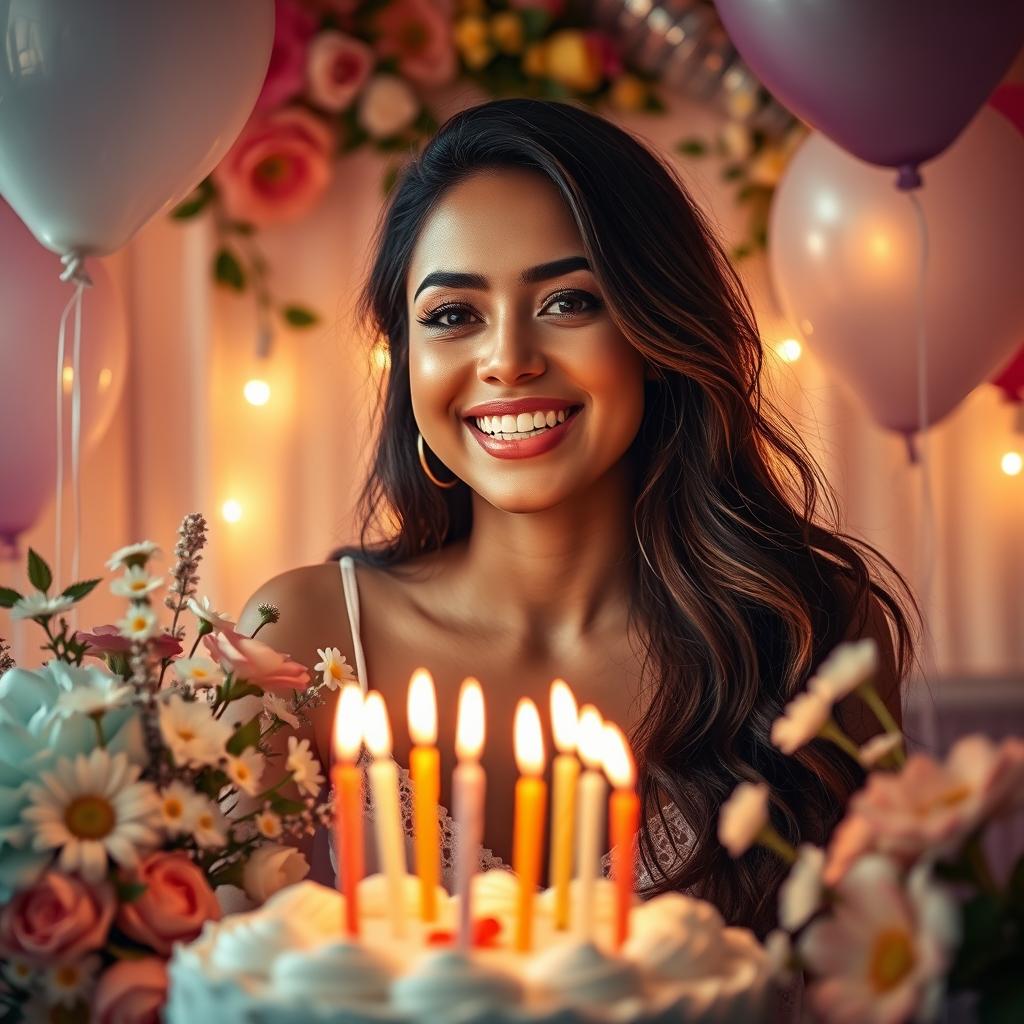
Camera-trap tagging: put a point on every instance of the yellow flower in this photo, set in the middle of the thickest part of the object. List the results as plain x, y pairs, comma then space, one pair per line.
478, 56
507, 31
628, 93
470, 33
535, 62
572, 62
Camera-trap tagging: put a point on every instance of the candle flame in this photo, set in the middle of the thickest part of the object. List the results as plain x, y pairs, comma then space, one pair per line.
529, 743
618, 761
348, 723
590, 736
376, 727
422, 709
564, 717
469, 727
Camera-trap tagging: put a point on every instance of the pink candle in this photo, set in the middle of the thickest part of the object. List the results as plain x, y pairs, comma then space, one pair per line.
468, 788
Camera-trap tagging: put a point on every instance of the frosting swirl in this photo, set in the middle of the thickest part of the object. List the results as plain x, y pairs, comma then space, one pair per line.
449, 985
340, 973
580, 973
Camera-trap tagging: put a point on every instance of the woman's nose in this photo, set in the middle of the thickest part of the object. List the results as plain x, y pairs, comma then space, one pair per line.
509, 353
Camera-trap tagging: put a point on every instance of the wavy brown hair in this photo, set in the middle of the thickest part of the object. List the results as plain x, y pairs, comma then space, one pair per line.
742, 579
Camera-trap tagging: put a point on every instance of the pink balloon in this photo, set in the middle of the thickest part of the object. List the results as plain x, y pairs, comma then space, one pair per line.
844, 253
32, 299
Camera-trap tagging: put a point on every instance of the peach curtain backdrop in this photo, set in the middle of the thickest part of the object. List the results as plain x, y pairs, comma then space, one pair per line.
184, 438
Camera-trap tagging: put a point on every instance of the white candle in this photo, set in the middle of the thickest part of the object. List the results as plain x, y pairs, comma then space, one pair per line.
591, 797
383, 774
468, 787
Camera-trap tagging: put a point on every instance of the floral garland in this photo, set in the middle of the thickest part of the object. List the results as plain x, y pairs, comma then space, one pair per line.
345, 74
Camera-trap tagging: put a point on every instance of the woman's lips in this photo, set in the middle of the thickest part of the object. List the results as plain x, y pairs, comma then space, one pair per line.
527, 447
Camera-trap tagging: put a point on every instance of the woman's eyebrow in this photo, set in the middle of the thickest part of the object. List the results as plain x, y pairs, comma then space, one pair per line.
532, 275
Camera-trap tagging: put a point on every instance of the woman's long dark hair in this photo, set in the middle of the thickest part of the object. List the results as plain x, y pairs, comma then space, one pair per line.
743, 581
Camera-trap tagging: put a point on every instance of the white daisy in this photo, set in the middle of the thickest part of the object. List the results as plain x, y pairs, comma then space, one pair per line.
198, 671
179, 808
801, 721
133, 554
140, 623
65, 984
210, 827
336, 670
879, 747
208, 613
742, 817
194, 737
278, 707
268, 824
18, 971
800, 894
38, 605
245, 770
304, 766
847, 667
135, 583
90, 808
93, 694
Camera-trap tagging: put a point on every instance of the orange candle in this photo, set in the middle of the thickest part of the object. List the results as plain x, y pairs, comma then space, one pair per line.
623, 819
565, 772
531, 796
425, 769
348, 801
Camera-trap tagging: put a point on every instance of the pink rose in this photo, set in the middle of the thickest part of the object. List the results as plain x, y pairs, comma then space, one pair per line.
176, 902
108, 640
131, 992
278, 168
606, 53
338, 68
294, 27
419, 34
256, 662
57, 918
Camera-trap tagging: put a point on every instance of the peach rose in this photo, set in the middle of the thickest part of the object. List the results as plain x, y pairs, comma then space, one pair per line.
108, 640
338, 68
131, 992
294, 27
176, 902
387, 106
57, 918
278, 168
419, 34
256, 662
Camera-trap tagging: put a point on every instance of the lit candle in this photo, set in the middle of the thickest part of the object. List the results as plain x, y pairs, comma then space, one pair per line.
425, 769
591, 797
623, 817
531, 794
468, 787
348, 800
387, 814
565, 771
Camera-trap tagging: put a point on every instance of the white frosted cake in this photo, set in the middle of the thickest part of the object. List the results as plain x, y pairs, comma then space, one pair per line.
289, 961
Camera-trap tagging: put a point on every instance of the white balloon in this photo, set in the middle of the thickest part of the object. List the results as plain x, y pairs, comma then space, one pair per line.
844, 252
112, 110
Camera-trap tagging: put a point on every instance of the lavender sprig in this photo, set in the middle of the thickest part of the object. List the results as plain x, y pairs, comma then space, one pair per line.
6, 659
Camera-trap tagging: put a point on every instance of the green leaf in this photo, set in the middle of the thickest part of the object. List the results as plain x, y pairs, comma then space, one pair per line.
390, 177
239, 688
653, 103
299, 316
38, 572
8, 597
244, 736
228, 271
692, 147
190, 208
230, 874
733, 172
211, 781
79, 590
241, 227
129, 892
535, 23
282, 805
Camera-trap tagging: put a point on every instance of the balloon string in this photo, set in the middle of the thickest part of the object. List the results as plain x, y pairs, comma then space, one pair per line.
76, 444
927, 532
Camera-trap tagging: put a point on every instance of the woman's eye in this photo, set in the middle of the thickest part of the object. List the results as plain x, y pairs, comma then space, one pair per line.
446, 317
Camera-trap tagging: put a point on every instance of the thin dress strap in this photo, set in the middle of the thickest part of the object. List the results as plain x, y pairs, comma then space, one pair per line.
348, 581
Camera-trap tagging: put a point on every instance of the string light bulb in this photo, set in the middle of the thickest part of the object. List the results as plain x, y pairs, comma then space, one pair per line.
1013, 463
231, 510
256, 391
789, 350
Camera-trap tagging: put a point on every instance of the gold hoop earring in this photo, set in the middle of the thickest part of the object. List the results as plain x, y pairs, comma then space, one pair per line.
426, 469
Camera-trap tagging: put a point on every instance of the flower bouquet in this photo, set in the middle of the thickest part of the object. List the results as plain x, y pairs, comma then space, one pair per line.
138, 787
902, 907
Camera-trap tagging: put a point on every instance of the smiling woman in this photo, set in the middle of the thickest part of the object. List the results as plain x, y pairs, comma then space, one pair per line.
577, 475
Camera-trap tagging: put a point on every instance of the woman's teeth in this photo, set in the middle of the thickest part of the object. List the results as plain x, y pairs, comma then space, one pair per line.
515, 428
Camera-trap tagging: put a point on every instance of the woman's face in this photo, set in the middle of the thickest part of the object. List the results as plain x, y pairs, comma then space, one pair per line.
519, 338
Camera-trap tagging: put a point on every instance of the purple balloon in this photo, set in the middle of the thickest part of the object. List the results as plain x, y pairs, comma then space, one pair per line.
892, 81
